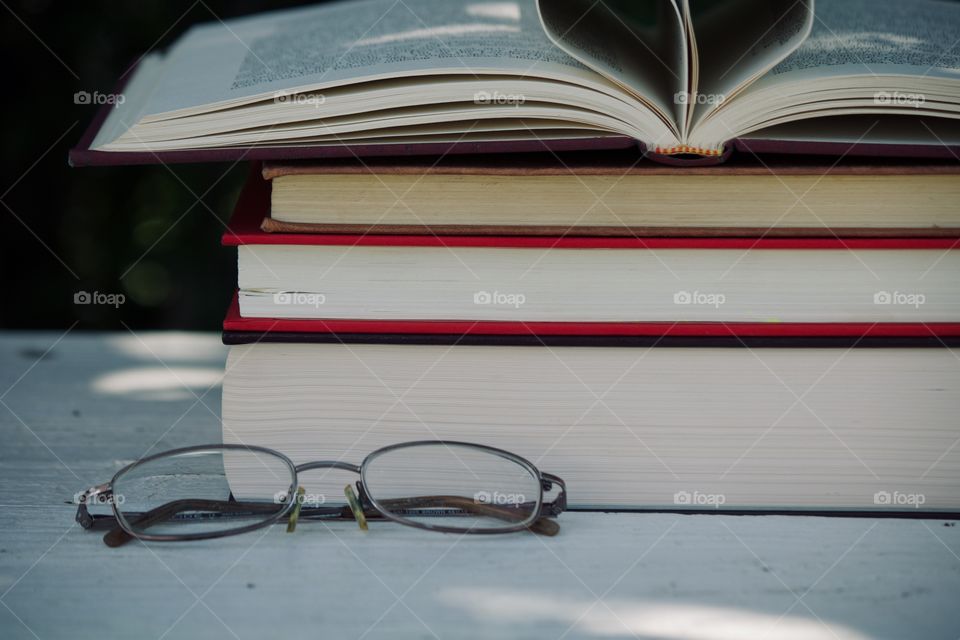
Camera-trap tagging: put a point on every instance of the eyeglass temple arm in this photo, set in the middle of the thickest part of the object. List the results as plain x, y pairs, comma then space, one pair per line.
169, 510
542, 525
118, 536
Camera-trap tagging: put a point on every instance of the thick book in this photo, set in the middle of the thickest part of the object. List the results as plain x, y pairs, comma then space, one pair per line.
612, 194
684, 80
595, 280
837, 430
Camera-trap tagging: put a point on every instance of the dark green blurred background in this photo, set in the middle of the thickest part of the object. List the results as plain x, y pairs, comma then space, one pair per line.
139, 231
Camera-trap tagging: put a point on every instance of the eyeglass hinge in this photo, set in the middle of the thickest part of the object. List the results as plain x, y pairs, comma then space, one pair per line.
83, 516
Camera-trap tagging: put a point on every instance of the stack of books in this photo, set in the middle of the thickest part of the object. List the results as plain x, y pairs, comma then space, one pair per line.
649, 370
755, 310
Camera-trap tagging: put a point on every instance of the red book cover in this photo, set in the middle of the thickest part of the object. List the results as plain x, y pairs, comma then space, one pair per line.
931, 332
244, 229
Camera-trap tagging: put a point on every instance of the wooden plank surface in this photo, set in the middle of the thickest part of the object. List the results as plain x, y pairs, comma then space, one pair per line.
75, 408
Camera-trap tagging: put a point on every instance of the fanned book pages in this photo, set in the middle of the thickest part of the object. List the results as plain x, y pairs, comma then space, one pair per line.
685, 429
687, 80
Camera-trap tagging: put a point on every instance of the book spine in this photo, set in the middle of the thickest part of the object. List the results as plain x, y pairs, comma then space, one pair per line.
689, 156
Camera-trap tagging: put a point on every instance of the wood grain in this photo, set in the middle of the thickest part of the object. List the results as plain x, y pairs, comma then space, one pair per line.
96, 401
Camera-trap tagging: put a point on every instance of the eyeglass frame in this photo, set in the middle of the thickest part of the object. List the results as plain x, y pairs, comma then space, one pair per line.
545, 482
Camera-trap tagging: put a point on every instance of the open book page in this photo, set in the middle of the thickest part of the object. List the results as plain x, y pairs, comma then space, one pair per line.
348, 42
137, 95
389, 100
639, 44
739, 40
874, 129
877, 37
862, 57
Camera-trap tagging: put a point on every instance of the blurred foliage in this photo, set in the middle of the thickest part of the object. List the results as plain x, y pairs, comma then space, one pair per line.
151, 233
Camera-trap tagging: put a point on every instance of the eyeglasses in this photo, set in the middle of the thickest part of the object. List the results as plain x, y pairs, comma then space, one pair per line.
210, 491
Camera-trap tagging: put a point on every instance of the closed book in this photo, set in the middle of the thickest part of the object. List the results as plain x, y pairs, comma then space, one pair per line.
574, 280
615, 194
703, 429
240, 330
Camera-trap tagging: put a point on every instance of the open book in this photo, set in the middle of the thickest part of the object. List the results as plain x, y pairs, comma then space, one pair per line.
687, 79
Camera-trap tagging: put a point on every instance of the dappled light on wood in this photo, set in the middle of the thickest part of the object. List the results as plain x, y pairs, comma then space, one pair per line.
159, 382
613, 617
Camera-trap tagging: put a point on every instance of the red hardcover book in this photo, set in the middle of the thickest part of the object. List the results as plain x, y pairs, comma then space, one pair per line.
244, 229
240, 330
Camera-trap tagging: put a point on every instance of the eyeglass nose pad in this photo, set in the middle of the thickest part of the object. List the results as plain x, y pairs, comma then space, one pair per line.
355, 507
295, 514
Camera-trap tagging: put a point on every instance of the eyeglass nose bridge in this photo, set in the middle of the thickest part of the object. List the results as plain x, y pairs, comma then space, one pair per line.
328, 464
361, 493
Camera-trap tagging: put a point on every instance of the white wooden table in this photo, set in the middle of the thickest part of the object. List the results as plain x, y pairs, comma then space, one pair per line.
75, 408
